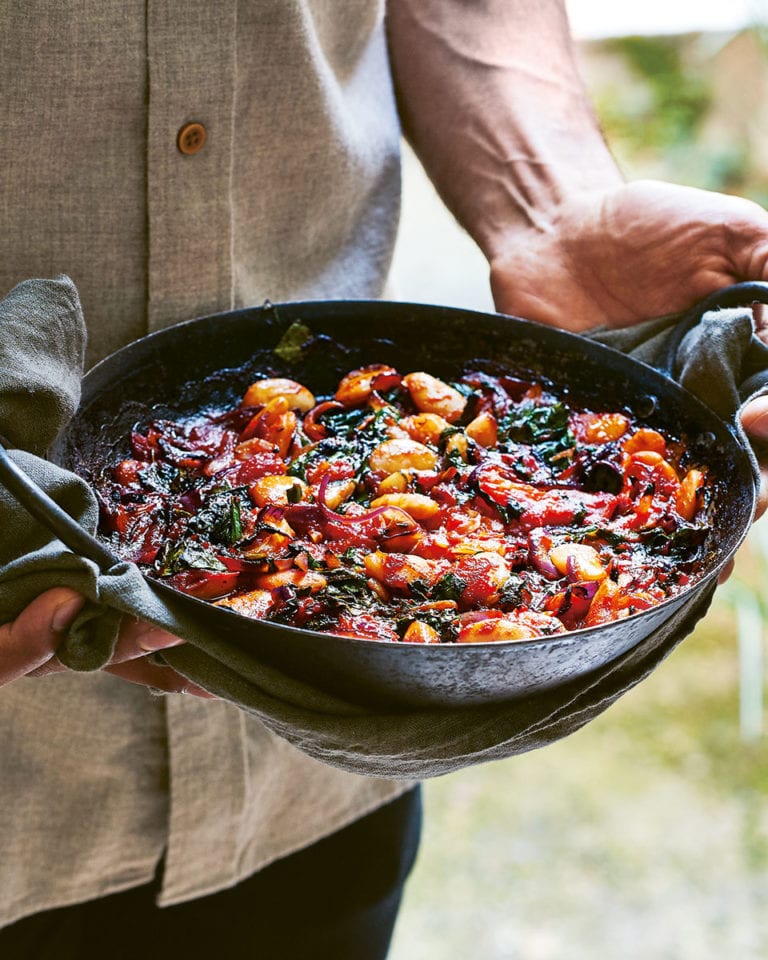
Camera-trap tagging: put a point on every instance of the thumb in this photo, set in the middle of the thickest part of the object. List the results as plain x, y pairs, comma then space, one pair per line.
32, 638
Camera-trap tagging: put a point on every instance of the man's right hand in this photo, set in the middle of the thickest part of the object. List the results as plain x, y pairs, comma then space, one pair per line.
28, 645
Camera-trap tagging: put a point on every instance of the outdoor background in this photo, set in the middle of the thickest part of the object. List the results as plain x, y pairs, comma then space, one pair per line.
645, 835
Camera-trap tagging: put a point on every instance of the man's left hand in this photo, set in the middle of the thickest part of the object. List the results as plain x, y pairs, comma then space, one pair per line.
636, 251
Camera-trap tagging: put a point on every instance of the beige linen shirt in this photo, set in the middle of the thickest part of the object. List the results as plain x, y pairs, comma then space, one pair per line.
294, 195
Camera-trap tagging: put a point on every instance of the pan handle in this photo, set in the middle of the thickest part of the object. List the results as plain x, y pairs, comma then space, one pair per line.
737, 295
47, 512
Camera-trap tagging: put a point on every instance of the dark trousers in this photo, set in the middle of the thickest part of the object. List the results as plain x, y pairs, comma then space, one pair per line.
337, 899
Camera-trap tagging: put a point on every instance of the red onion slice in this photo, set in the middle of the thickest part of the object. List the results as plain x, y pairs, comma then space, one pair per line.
538, 552
360, 518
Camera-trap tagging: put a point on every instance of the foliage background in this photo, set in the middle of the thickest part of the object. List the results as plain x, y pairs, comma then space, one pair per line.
645, 835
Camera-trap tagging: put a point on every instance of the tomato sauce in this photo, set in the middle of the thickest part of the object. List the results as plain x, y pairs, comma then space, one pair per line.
409, 508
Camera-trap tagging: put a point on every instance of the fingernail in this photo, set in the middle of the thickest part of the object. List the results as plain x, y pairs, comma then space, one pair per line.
192, 689
65, 613
155, 638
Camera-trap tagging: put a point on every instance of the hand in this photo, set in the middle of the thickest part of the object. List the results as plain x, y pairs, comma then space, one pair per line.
636, 251
28, 645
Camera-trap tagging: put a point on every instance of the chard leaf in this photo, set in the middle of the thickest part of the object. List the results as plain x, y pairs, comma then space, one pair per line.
160, 476
291, 343
419, 589
187, 555
353, 556
235, 521
449, 587
293, 493
680, 543
511, 510
604, 533
220, 518
511, 594
535, 422
548, 450
330, 448
444, 622
347, 590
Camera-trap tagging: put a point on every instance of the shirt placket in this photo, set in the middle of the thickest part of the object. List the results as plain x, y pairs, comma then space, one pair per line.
191, 60
192, 67
208, 793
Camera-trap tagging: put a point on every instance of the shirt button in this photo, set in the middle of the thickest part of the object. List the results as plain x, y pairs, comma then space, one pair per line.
191, 138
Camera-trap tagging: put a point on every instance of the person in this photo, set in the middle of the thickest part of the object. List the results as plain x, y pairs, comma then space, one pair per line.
180, 159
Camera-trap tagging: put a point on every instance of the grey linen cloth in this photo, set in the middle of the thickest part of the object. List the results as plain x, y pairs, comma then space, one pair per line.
41, 347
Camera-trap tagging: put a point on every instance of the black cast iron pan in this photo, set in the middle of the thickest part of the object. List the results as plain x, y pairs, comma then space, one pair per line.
209, 362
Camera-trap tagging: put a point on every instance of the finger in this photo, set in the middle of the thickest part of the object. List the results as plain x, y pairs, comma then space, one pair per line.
762, 493
726, 572
54, 665
754, 419
32, 638
162, 678
138, 638
760, 314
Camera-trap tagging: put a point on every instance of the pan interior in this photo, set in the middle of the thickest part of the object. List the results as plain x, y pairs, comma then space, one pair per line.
207, 364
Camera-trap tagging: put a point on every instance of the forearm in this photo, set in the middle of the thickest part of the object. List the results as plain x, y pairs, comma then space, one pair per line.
492, 102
